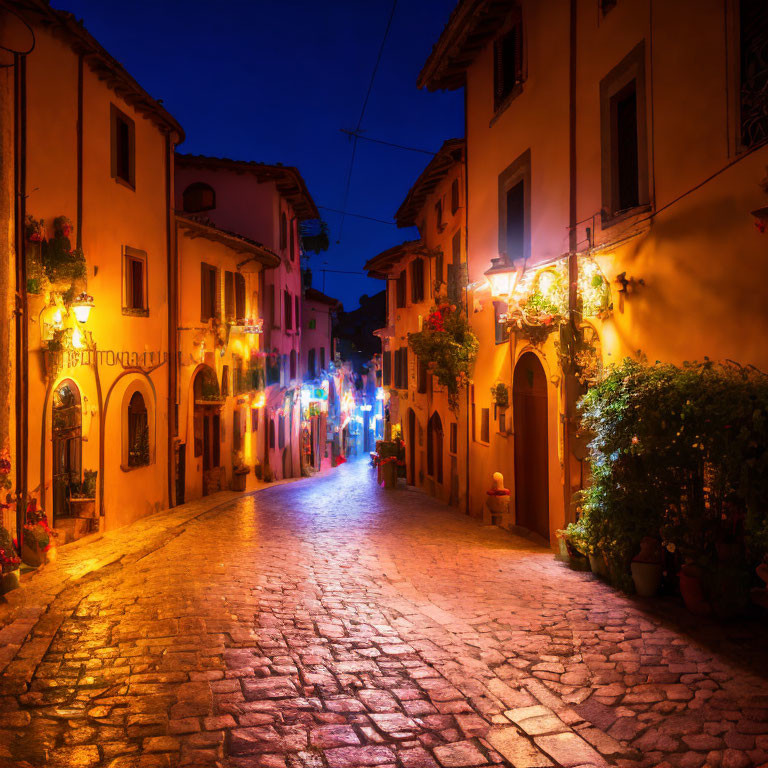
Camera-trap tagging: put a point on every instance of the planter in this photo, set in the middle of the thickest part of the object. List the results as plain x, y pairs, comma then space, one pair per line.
33, 555
10, 580
84, 508
598, 566
389, 474
647, 578
562, 553
257, 471
692, 590
238, 479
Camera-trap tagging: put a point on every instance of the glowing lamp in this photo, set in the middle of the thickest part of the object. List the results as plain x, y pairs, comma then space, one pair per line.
82, 307
502, 277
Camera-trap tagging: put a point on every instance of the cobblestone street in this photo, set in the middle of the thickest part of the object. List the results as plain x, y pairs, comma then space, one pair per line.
331, 623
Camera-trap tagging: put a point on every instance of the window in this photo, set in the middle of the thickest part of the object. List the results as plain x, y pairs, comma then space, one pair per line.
515, 209
293, 364
283, 230
274, 316
229, 295
421, 376
454, 196
288, 307
273, 368
123, 148
439, 268
623, 136
296, 312
292, 249
417, 280
271, 433
254, 420
224, 381
485, 425
138, 431
401, 368
753, 64
508, 63
400, 290
240, 296
500, 309
456, 248
281, 431
439, 215
198, 197
454, 440
322, 358
311, 363
209, 291
135, 282
386, 368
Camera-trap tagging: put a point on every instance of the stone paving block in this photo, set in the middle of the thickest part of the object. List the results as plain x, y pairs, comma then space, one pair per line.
569, 750
461, 754
517, 749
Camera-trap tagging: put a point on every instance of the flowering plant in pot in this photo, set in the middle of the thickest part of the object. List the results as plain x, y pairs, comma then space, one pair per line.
39, 540
82, 495
10, 563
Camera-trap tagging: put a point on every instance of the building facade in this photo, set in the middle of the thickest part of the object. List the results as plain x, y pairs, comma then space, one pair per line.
611, 188
94, 235
420, 273
263, 203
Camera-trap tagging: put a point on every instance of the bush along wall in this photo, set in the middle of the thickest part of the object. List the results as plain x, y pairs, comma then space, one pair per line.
680, 454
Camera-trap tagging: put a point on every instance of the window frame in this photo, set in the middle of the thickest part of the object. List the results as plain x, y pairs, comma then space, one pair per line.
517, 172
196, 186
504, 94
240, 293
131, 256
401, 290
455, 196
215, 312
117, 118
132, 431
631, 67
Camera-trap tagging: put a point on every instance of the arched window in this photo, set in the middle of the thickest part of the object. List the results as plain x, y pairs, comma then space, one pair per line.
138, 432
198, 197
293, 364
283, 230
311, 363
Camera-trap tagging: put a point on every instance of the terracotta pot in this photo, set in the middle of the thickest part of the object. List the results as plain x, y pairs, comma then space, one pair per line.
647, 578
31, 554
598, 566
10, 580
85, 508
389, 474
238, 480
692, 590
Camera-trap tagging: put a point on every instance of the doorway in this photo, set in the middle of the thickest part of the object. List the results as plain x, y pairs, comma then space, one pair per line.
207, 428
411, 446
66, 434
435, 448
529, 404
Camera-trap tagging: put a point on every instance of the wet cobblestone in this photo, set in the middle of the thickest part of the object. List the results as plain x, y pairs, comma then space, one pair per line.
330, 623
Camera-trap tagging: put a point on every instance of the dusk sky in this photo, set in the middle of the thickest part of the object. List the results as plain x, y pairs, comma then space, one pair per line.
274, 81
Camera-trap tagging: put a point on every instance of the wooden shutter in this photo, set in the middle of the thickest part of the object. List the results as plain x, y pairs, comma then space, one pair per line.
239, 296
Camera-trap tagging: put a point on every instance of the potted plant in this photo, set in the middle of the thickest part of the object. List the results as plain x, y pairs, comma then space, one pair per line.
39, 539
646, 567
257, 469
82, 495
389, 453
239, 474
10, 563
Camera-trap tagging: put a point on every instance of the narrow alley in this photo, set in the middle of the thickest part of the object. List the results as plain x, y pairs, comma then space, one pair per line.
329, 622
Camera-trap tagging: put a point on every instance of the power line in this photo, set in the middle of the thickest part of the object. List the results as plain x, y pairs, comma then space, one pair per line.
387, 143
362, 115
357, 215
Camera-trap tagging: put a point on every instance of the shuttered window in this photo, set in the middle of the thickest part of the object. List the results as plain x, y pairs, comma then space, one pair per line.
417, 281
508, 63
239, 296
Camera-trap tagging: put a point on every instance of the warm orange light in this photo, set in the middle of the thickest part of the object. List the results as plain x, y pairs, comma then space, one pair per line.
259, 401
502, 277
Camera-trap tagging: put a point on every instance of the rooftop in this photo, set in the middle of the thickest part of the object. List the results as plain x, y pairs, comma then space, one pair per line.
382, 265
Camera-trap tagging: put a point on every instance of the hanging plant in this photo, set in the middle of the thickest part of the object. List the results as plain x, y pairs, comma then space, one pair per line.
594, 291
448, 346
540, 304
500, 395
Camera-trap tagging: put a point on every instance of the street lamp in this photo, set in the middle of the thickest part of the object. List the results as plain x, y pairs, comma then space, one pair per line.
502, 277
82, 306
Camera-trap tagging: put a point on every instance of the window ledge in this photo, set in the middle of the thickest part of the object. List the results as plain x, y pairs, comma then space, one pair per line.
132, 468
506, 101
607, 220
133, 312
123, 183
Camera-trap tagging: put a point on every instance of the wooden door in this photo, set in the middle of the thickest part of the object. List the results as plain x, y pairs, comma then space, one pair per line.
529, 404
411, 446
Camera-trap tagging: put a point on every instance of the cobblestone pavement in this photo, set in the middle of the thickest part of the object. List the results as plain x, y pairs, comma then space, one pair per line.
331, 623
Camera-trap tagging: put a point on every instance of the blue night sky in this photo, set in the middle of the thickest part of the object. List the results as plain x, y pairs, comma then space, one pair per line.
275, 80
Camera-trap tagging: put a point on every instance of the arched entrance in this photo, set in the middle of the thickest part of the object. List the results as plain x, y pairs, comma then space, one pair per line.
207, 427
529, 404
66, 436
411, 446
435, 448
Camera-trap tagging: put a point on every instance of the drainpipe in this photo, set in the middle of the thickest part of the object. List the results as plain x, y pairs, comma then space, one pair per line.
172, 282
467, 505
573, 264
79, 150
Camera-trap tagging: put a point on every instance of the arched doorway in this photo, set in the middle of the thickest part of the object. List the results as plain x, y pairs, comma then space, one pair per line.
435, 448
529, 404
207, 427
411, 446
66, 436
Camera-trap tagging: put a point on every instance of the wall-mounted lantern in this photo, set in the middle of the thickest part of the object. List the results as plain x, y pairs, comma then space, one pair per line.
502, 277
82, 306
